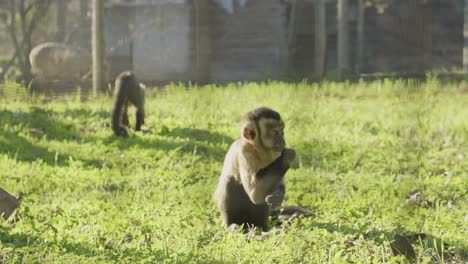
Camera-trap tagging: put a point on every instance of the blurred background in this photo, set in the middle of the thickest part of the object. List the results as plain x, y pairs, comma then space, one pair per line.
206, 41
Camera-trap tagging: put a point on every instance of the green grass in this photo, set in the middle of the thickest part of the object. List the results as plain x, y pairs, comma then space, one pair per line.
89, 197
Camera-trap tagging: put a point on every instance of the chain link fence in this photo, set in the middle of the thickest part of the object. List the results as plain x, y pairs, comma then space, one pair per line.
207, 41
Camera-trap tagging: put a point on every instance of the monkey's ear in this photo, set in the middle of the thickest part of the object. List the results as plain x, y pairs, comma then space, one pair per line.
248, 133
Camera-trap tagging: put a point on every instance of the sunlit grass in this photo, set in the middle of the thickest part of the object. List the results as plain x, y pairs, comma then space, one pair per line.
89, 197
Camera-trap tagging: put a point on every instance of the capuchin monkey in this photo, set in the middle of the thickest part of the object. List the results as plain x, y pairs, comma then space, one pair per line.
252, 178
127, 91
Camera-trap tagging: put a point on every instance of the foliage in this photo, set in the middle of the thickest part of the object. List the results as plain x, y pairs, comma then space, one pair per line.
377, 160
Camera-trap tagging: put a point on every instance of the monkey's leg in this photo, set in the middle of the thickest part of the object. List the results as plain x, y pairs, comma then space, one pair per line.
125, 121
137, 98
259, 216
235, 205
117, 115
140, 118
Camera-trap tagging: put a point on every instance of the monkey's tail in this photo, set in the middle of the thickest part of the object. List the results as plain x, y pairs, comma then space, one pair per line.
285, 214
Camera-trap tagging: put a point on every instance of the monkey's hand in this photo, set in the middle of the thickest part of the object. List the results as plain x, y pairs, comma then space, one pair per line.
288, 156
275, 199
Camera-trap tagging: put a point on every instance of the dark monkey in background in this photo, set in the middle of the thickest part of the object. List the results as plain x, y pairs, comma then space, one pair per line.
252, 178
127, 92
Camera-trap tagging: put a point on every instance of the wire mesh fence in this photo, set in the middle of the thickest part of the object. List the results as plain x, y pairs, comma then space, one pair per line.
207, 41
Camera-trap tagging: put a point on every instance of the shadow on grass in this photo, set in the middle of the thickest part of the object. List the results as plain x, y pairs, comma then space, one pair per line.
50, 125
44, 122
99, 249
19, 147
187, 140
40, 124
20, 240
84, 114
401, 240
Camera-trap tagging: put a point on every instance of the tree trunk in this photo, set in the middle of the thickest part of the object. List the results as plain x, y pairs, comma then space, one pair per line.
83, 38
202, 40
343, 54
61, 20
290, 70
465, 37
360, 36
320, 38
98, 45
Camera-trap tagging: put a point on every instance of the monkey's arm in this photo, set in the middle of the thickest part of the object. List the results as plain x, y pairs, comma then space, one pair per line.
259, 184
119, 109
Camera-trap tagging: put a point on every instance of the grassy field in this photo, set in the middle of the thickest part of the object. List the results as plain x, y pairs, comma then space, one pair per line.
379, 162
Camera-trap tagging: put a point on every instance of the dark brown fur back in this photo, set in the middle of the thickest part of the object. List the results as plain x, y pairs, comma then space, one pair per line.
127, 91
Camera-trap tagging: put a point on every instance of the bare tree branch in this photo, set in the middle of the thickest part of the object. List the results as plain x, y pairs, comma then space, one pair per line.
41, 10
7, 66
21, 34
12, 25
29, 8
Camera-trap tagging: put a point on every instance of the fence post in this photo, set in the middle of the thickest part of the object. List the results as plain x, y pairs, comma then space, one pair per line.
98, 45
465, 37
202, 39
60, 20
360, 36
320, 38
83, 37
343, 55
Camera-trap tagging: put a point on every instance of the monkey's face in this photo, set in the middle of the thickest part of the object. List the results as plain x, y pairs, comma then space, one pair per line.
272, 134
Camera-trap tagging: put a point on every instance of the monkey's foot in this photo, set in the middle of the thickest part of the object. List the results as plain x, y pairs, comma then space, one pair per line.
121, 132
